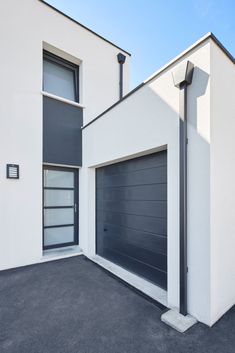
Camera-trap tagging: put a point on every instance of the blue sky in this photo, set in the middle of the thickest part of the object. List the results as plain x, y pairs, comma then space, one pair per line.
154, 31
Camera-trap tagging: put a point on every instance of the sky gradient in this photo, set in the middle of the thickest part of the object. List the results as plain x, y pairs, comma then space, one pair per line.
154, 31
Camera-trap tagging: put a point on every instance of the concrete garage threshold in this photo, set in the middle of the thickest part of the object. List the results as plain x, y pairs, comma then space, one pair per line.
177, 321
74, 306
147, 288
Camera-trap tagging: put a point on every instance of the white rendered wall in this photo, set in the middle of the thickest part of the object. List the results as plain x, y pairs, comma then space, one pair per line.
145, 122
26, 27
222, 182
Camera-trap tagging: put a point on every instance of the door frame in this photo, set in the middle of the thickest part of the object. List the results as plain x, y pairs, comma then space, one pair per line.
76, 208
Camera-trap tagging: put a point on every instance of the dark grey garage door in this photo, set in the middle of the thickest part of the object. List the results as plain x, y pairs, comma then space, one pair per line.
131, 215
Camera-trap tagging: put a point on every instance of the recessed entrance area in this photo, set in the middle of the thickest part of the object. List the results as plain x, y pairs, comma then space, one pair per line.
60, 207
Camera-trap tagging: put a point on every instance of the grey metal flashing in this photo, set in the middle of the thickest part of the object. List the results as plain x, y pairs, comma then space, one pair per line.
165, 68
81, 25
62, 136
222, 47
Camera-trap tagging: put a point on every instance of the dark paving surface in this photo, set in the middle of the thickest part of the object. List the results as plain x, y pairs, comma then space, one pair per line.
73, 306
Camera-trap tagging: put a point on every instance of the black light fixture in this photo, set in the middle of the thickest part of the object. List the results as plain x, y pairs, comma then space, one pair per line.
13, 171
182, 77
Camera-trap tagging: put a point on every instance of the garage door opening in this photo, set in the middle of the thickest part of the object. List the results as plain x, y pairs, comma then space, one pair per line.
131, 216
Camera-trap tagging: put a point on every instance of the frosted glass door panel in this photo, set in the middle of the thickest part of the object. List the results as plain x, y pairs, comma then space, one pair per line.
58, 197
58, 179
58, 236
58, 216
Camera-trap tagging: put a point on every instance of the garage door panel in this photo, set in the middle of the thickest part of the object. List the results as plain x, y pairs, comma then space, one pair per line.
132, 193
139, 177
159, 262
146, 271
142, 223
133, 237
131, 215
149, 161
145, 208
129, 245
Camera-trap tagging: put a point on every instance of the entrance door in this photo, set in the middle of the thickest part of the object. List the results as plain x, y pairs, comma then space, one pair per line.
60, 207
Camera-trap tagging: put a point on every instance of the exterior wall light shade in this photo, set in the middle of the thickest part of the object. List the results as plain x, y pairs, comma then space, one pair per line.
13, 171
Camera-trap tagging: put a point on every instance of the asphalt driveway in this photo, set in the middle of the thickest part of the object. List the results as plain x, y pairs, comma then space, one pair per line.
73, 306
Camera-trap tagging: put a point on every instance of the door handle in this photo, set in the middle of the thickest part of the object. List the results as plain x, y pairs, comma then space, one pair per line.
75, 208
105, 229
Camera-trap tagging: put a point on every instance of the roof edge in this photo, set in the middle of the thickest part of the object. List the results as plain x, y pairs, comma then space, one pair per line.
209, 35
81, 25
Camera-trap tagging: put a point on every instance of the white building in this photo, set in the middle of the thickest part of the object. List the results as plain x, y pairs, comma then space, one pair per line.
101, 176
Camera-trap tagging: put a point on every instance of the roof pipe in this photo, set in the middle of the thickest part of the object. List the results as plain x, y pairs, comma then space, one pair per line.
121, 60
182, 77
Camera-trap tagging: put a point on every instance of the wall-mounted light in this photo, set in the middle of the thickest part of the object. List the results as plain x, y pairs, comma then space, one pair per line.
13, 171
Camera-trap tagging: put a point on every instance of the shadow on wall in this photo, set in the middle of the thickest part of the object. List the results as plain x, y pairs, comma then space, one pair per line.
198, 189
196, 90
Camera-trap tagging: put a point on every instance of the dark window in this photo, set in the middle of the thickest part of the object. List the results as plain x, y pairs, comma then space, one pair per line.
60, 77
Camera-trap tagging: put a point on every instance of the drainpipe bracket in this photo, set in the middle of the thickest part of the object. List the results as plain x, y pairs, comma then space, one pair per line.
183, 74
121, 58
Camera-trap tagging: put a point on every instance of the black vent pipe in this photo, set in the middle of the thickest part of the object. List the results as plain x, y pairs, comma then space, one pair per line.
182, 77
121, 60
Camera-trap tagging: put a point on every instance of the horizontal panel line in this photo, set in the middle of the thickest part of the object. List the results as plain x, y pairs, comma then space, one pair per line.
142, 262
128, 186
144, 248
59, 226
57, 207
59, 245
130, 214
133, 171
57, 188
126, 200
135, 229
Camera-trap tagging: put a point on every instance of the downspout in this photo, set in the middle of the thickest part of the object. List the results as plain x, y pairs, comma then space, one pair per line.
182, 77
121, 60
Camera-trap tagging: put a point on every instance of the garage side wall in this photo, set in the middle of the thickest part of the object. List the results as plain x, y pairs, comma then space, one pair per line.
145, 122
222, 182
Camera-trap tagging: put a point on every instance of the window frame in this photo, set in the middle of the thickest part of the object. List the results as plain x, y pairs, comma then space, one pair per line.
65, 64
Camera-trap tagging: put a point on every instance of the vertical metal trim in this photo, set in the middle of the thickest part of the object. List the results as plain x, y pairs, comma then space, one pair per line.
183, 197
121, 81
121, 60
182, 77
